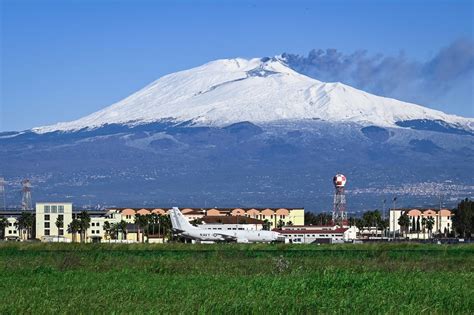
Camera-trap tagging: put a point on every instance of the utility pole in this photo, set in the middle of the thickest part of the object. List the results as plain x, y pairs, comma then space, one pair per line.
384, 217
394, 203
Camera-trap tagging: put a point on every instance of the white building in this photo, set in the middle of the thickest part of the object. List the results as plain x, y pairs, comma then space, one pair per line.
418, 229
318, 234
11, 231
47, 215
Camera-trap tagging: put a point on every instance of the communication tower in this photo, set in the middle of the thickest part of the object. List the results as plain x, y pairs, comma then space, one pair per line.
339, 215
3, 201
26, 203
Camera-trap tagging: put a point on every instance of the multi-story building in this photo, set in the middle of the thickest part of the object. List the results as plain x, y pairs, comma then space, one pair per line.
418, 228
11, 231
48, 214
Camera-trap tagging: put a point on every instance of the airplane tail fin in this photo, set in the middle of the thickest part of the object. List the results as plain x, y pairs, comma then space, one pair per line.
178, 221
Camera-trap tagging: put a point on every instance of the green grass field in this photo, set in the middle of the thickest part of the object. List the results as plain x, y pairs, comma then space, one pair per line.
236, 278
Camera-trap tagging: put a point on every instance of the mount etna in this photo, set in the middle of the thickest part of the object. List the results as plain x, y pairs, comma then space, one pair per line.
239, 132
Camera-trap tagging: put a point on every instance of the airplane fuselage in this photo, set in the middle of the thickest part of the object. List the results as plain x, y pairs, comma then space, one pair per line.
241, 236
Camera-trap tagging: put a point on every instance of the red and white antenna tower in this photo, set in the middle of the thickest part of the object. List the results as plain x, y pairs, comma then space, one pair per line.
339, 215
26, 203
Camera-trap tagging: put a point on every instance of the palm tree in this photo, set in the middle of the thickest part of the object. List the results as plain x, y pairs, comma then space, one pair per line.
165, 223
73, 228
280, 224
196, 221
85, 222
429, 224
30, 222
25, 222
107, 228
142, 222
418, 227
59, 224
423, 226
266, 225
3, 225
122, 228
114, 231
404, 222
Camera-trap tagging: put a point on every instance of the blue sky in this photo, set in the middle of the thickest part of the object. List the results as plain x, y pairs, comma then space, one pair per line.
61, 60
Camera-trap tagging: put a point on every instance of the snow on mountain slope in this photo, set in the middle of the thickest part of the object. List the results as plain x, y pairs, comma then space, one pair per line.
256, 90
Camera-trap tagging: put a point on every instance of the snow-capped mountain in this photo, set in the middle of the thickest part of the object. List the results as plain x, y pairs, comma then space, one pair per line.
263, 90
254, 133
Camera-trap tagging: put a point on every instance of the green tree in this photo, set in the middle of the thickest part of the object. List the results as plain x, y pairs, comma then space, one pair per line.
107, 229
142, 222
384, 226
266, 225
404, 222
59, 224
423, 226
73, 228
429, 225
84, 223
24, 224
154, 222
3, 225
372, 219
196, 221
317, 219
280, 224
463, 219
165, 223
122, 228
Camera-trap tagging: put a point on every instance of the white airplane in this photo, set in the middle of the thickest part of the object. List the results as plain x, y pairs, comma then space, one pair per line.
182, 227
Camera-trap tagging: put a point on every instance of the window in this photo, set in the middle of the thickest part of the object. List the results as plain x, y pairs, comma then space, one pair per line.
61, 209
54, 209
92, 232
47, 209
10, 232
46, 225
97, 232
11, 224
46, 217
97, 224
92, 224
61, 232
46, 232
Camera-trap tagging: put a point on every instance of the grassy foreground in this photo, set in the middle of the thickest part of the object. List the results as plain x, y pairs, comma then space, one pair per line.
236, 278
